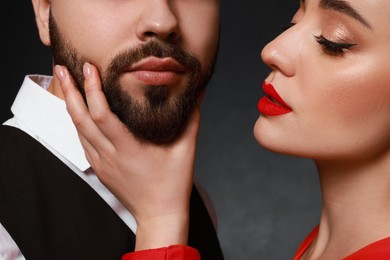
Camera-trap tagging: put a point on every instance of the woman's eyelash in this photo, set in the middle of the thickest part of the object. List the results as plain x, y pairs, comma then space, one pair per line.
333, 48
329, 47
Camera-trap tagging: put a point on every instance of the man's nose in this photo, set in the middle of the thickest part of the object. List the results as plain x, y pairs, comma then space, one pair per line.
158, 20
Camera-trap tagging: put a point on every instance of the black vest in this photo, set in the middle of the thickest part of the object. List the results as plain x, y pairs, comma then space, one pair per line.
51, 213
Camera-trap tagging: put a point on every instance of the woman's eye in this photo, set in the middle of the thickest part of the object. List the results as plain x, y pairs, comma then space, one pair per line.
333, 48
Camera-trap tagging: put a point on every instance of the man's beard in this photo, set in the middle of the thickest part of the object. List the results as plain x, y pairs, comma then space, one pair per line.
158, 119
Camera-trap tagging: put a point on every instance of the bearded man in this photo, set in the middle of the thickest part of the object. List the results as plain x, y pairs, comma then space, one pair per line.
154, 59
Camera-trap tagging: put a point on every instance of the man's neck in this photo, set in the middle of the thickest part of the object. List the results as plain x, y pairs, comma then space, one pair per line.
55, 88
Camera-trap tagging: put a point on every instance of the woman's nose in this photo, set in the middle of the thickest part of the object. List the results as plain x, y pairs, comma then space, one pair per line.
281, 53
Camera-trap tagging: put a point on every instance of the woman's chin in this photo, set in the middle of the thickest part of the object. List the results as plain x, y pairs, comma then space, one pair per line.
274, 140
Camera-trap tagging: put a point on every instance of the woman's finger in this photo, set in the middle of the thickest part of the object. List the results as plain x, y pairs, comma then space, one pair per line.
90, 152
100, 111
79, 112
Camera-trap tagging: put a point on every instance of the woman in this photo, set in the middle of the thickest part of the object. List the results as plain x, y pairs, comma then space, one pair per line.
326, 99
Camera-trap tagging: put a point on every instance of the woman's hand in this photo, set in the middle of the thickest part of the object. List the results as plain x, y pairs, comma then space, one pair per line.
153, 181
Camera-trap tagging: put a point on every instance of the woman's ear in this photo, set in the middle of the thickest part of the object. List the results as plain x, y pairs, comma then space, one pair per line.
42, 11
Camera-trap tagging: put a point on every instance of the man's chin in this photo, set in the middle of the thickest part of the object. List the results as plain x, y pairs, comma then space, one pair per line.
155, 121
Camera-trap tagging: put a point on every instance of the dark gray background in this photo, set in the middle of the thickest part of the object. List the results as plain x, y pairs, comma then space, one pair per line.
266, 203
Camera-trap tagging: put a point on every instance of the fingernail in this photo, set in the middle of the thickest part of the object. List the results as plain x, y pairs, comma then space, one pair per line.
60, 73
87, 70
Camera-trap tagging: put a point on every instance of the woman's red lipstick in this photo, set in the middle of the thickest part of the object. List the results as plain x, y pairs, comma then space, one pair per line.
272, 104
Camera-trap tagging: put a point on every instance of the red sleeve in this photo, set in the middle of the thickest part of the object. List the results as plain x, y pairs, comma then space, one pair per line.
306, 243
176, 252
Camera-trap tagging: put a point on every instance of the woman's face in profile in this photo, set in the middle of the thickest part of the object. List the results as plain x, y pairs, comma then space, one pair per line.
332, 68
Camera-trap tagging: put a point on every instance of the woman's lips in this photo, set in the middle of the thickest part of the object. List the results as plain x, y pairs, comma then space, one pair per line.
157, 71
272, 104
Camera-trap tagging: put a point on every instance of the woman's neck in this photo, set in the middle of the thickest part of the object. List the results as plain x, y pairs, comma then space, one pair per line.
356, 206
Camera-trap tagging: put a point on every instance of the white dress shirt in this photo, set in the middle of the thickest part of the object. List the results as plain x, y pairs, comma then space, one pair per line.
44, 117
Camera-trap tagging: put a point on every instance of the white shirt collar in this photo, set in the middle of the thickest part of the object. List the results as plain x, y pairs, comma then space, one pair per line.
45, 116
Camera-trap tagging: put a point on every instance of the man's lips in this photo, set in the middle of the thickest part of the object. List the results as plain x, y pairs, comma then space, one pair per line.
157, 71
272, 104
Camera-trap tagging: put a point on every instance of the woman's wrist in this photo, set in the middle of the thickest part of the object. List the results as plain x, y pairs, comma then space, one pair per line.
162, 231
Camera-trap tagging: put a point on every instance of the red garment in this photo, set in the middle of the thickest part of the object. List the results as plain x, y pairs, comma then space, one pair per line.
176, 252
379, 250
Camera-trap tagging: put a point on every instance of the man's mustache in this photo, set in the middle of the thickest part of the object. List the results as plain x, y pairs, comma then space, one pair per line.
126, 58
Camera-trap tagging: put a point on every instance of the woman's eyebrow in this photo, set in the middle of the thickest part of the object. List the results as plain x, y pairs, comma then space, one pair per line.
345, 8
